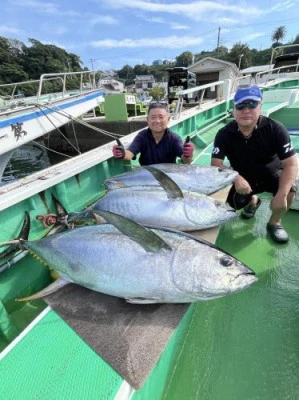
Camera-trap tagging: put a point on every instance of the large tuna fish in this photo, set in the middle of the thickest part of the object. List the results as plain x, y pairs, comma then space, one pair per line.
196, 178
140, 264
165, 206
192, 211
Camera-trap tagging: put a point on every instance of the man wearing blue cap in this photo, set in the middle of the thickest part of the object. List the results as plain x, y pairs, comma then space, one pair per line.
260, 149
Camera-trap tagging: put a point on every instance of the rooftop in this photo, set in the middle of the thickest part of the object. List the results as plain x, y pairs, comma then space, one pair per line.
257, 68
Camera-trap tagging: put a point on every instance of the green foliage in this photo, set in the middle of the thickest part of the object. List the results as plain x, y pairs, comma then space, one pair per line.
10, 73
278, 34
5, 55
262, 57
220, 53
128, 74
296, 40
240, 54
19, 62
157, 93
184, 59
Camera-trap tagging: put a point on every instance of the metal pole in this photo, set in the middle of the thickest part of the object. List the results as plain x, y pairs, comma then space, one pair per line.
218, 39
91, 61
240, 58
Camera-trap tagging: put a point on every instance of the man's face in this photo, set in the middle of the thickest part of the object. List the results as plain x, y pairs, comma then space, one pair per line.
248, 116
158, 120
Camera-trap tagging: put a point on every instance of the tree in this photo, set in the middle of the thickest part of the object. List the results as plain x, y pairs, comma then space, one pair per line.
11, 68
5, 54
142, 69
278, 34
126, 74
74, 62
16, 48
159, 72
262, 57
296, 40
157, 93
221, 53
10, 73
240, 55
184, 59
40, 58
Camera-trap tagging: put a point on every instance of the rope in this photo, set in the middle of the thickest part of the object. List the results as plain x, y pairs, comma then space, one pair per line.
84, 123
53, 151
71, 118
39, 106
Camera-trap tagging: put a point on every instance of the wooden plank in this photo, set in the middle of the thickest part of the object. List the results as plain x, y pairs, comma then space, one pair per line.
211, 234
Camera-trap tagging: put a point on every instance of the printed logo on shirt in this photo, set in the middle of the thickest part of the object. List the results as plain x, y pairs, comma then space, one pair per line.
288, 147
216, 150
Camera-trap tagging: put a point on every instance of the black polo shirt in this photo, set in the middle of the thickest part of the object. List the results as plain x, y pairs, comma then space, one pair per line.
166, 151
257, 157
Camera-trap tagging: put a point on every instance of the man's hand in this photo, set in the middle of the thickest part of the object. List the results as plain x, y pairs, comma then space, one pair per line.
242, 186
118, 151
188, 149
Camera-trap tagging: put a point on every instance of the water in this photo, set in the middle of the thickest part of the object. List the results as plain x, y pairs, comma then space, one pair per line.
25, 160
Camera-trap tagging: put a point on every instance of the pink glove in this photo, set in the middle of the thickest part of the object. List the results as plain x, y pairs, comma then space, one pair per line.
188, 149
118, 151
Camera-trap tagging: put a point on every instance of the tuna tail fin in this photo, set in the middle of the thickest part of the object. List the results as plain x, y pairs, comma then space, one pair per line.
149, 240
171, 188
53, 287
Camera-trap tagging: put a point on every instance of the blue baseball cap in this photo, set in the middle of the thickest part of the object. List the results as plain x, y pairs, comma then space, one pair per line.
248, 93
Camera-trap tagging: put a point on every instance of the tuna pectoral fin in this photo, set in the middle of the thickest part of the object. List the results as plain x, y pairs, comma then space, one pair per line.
149, 240
171, 188
59, 283
140, 300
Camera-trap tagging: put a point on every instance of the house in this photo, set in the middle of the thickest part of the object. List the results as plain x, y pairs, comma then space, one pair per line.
111, 85
210, 70
143, 83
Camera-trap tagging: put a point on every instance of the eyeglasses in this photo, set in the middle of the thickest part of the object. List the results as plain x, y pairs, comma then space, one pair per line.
157, 104
250, 104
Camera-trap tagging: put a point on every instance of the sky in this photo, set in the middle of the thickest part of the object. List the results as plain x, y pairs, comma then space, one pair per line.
109, 34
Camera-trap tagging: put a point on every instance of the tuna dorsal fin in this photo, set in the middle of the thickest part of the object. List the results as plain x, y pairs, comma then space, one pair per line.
188, 235
149, 240
53, 287
171, 188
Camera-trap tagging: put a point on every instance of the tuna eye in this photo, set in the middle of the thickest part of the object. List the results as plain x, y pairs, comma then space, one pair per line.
226, 261
221, 169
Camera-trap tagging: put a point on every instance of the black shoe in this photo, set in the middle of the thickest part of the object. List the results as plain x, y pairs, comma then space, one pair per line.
249, 211
278, 233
